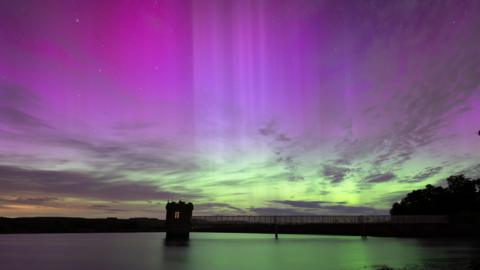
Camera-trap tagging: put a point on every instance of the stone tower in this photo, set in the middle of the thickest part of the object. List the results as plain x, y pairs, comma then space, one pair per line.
178, 220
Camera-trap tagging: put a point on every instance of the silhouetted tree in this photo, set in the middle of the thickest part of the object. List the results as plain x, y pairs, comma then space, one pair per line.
461, 196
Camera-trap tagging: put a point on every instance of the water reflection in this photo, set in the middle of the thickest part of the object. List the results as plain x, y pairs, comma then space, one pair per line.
232, 251
175, 243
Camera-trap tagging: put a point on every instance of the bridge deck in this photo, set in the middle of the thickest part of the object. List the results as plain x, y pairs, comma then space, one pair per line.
398, 226
292, 220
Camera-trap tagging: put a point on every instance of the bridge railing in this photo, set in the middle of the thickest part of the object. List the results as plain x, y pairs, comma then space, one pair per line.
292, 220
419, 219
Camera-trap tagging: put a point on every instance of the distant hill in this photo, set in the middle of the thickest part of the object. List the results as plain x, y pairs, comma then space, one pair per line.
79, 225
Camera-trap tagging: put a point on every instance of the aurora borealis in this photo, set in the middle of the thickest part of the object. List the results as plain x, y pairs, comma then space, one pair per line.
111, 108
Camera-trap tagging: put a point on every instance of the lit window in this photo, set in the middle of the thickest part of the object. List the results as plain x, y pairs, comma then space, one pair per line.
177, 215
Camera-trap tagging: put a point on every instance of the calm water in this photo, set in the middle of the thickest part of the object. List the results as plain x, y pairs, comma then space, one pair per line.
207, 251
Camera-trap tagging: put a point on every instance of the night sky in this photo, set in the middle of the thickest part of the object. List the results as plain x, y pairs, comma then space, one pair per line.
111, 108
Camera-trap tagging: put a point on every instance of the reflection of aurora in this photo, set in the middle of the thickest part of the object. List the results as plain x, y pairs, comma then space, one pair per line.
268, 108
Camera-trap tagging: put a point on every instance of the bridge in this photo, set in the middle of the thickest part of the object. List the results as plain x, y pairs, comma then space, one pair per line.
397, 226
380, 225
180, 221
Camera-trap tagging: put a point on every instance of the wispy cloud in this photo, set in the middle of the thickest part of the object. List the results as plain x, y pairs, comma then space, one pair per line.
81, 185
306, 208
16, 104
282, 150
354, 210
336, 174
269, 211
216, 208
423, 175
38, 201
380, 177
306, 204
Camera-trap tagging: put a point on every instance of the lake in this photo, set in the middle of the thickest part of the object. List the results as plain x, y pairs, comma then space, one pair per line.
222, 251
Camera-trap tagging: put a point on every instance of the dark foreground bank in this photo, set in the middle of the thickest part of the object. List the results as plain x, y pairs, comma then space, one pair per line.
455, 227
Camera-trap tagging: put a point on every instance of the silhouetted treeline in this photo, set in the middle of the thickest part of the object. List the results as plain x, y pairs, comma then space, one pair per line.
77, 225
462, 196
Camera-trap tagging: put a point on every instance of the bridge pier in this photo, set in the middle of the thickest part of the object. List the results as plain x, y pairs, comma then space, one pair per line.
364, 229
276, 227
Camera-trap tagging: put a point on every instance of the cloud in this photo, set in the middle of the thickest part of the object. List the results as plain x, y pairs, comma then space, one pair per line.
216, 205
432, 92
81, 185
336, 174
19, 122
423, 175
272, 211
305, 204
354, 210
282, 150
268, 130
471, 171
323, 210
282, 138
236, 182
101, 149
160, 157
28, 200
380, 177
325, 207
319, 207
393, 197
12, 98
431, 103
217, 208
13, 117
